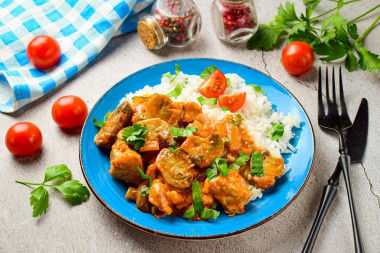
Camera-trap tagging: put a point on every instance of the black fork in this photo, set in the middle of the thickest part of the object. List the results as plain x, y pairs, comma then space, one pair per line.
338, 122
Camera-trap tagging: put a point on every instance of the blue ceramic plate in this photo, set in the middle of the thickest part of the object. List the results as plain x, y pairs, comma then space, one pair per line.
110, 191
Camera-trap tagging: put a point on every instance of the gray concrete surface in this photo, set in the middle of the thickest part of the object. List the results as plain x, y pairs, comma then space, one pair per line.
90, 227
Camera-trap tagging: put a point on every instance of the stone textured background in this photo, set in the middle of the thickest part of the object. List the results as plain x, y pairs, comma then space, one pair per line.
90, 227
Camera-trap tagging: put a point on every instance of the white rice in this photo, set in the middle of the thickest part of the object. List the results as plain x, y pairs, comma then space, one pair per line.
257, 112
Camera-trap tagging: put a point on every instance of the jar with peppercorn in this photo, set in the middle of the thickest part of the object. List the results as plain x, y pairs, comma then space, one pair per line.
234, 21
176, 23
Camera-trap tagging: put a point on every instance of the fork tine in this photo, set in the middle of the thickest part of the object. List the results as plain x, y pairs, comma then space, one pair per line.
333, 86
321, 112
341, 95
327, 86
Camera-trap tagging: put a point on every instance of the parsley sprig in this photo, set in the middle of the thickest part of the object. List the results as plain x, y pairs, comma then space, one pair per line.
135, 135
208, 71
198, 205
74, 192
219, 164
241, 160
332, 38
208, 101
257, 164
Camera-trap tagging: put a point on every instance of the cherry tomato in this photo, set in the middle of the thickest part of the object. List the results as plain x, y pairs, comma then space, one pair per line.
43, 51
69, 111
233, 102
297, 58
23, 138
214, 85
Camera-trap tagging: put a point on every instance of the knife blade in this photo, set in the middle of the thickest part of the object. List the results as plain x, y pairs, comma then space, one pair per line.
356, 143
357, 138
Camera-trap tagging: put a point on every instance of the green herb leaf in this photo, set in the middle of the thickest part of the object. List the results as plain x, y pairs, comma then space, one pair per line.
209, 101
242, 159
210, 214
189, 214
266, 36
234, 122
142, 117
39, 200
221, 165
257, 165
277, 131
211, 173
367, 60
257, 88
177, 69
181, 132
352, 30
233, 166
228, 82
208, 71
239, 116
74, 191
174, 148
197, 197
176, 92
168, 75
351, 62
286, 13
134, 135
225, 108
57, 172
99, 123
144, 176
225, 139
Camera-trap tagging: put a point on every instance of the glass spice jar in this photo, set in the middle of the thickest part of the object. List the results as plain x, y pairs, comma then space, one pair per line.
234, 21
176, 23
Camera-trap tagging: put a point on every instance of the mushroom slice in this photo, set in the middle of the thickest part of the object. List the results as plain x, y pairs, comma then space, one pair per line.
202, 151
158, 133
142, 201
116, 121
191, 111
124, 162
160, 106
175, 167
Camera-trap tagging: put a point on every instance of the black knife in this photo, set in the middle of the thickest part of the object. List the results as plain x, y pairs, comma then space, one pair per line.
356, 143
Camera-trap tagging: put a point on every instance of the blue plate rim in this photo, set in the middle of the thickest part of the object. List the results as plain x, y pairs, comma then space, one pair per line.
167, 235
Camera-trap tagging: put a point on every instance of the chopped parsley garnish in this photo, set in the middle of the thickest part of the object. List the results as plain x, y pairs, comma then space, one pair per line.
99, 123
241, 160
174, 148
142, 117
225, 139
218, 164
277, 131
208, 101
257, 164
144, 176
239, 116
189, 214
172, 78
257, 88
232, 121
225, 108
198, 204
176, 92
208, 71
182, 132
134, 135
228, 82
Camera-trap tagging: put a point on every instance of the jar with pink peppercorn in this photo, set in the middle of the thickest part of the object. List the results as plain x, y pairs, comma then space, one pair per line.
234, 21
176, 23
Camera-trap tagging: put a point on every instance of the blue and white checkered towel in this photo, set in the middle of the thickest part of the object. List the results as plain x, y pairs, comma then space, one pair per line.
81, 27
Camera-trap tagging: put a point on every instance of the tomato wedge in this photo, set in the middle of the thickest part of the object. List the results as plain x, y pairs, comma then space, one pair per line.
234, 102
214, 85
